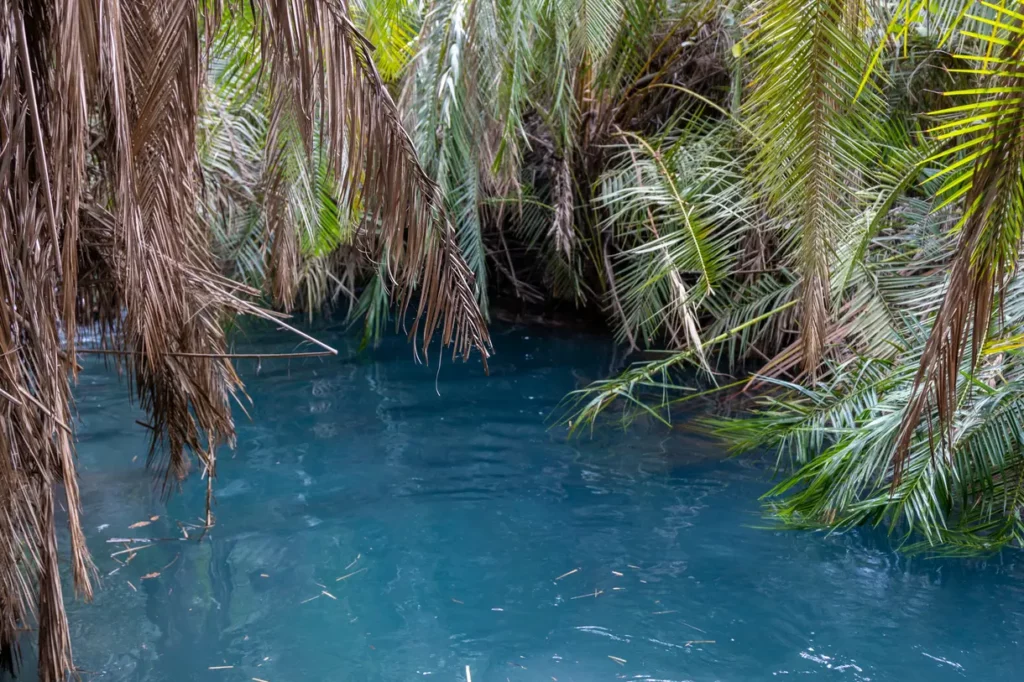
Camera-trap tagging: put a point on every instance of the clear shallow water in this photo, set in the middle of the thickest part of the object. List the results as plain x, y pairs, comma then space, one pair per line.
454, 516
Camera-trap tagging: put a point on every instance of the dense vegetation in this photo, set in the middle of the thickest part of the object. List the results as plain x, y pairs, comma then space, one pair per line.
828, 193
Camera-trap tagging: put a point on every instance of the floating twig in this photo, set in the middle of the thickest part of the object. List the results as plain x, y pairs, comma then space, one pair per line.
457, 601
589, 594
566, 575
700, 641
130, 550
620, 661
121, 541
134, 589
231, 356
306, 601
353, 562
328, 594
220, 667
661, 613
349, 575
469, 678
616, 573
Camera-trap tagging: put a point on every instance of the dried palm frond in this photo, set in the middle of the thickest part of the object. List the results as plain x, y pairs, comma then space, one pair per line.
984, 169
37, 281
103, 222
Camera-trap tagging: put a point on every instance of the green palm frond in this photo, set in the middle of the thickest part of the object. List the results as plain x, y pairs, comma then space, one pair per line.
676, 207
391, 26
808, 57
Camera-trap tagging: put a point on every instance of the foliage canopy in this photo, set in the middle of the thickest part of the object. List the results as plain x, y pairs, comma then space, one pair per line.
828, 193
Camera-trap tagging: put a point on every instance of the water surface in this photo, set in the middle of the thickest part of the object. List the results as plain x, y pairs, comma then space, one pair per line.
451, 520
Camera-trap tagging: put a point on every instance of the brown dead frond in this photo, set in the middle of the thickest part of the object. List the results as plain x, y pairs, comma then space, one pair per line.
326, 84
985, 257
100, 225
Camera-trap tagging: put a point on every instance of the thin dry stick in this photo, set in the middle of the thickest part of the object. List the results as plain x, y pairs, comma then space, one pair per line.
130, 550
232, 356
349, 575
565, 575
593, 594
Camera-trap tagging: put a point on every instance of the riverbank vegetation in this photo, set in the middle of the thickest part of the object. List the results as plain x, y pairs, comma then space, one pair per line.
814, 205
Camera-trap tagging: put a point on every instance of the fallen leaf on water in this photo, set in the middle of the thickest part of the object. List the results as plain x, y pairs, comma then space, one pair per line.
150, 576
264, 575
140, 524
154, 518
620, 661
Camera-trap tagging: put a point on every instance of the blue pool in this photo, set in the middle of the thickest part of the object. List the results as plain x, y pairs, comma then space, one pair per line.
467, 532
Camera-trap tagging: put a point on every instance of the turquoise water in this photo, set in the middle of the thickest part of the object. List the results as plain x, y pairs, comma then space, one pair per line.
454, 517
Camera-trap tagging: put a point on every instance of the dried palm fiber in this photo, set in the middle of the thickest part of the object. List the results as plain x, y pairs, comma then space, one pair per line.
100, 183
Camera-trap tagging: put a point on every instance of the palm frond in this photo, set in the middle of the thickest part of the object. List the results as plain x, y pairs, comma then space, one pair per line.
985, 170
808, 57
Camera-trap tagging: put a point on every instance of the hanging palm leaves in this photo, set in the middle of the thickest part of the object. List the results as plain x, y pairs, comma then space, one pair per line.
101, 105
771, 183
891, 392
